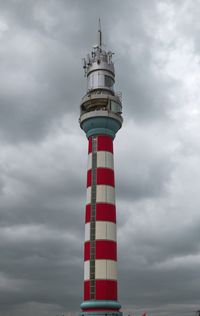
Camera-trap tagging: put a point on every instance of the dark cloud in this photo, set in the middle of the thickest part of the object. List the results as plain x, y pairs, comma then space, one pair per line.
43, 153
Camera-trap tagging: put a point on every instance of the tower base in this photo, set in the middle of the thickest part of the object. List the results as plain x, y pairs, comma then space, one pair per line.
101, 308
101, 313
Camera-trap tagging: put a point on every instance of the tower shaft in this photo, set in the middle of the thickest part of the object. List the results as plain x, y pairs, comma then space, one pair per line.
100, 252
100, 247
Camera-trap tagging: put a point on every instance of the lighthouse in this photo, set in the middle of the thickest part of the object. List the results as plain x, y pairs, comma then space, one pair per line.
100, 119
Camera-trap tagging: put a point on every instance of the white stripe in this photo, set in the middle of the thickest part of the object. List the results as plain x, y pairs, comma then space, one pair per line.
87, 231
89, 166
88, 195
104, 160
106, 269
111, 270
106, 230
86, 270
105, 194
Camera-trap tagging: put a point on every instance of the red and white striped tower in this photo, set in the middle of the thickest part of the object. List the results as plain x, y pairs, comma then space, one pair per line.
100, 119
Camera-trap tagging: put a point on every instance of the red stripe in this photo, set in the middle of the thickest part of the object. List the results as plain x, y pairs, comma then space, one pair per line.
87, 213
89, 178
104, 212
86, 290
89, 145
87, 251
105, 143
105, 176
106, 290
106, 249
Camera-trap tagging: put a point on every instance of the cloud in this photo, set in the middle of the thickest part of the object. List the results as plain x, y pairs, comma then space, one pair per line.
43, 153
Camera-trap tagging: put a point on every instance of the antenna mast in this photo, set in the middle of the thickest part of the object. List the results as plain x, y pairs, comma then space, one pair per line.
99, 34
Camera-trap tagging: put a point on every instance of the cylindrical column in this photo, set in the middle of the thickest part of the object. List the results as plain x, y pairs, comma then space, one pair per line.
100, 248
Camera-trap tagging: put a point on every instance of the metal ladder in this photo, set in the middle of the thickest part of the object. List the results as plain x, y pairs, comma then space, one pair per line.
93, 218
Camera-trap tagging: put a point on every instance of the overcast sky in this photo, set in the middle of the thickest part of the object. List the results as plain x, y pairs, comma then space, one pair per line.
43, 153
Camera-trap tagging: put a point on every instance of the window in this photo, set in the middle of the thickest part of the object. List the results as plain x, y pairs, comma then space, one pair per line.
116, 107
108, 81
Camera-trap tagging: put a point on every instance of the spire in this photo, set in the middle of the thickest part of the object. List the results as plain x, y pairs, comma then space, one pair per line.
99, 34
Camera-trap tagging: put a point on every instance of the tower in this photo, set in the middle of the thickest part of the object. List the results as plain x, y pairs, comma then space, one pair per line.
100, 118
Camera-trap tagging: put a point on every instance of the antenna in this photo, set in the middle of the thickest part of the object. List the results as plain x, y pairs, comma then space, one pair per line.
99, 34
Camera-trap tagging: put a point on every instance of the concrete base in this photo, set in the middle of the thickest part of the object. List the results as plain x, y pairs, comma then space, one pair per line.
102, 305
101, 313
100, 308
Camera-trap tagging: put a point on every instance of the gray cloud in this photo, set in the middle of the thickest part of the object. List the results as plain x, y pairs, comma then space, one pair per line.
43, 153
